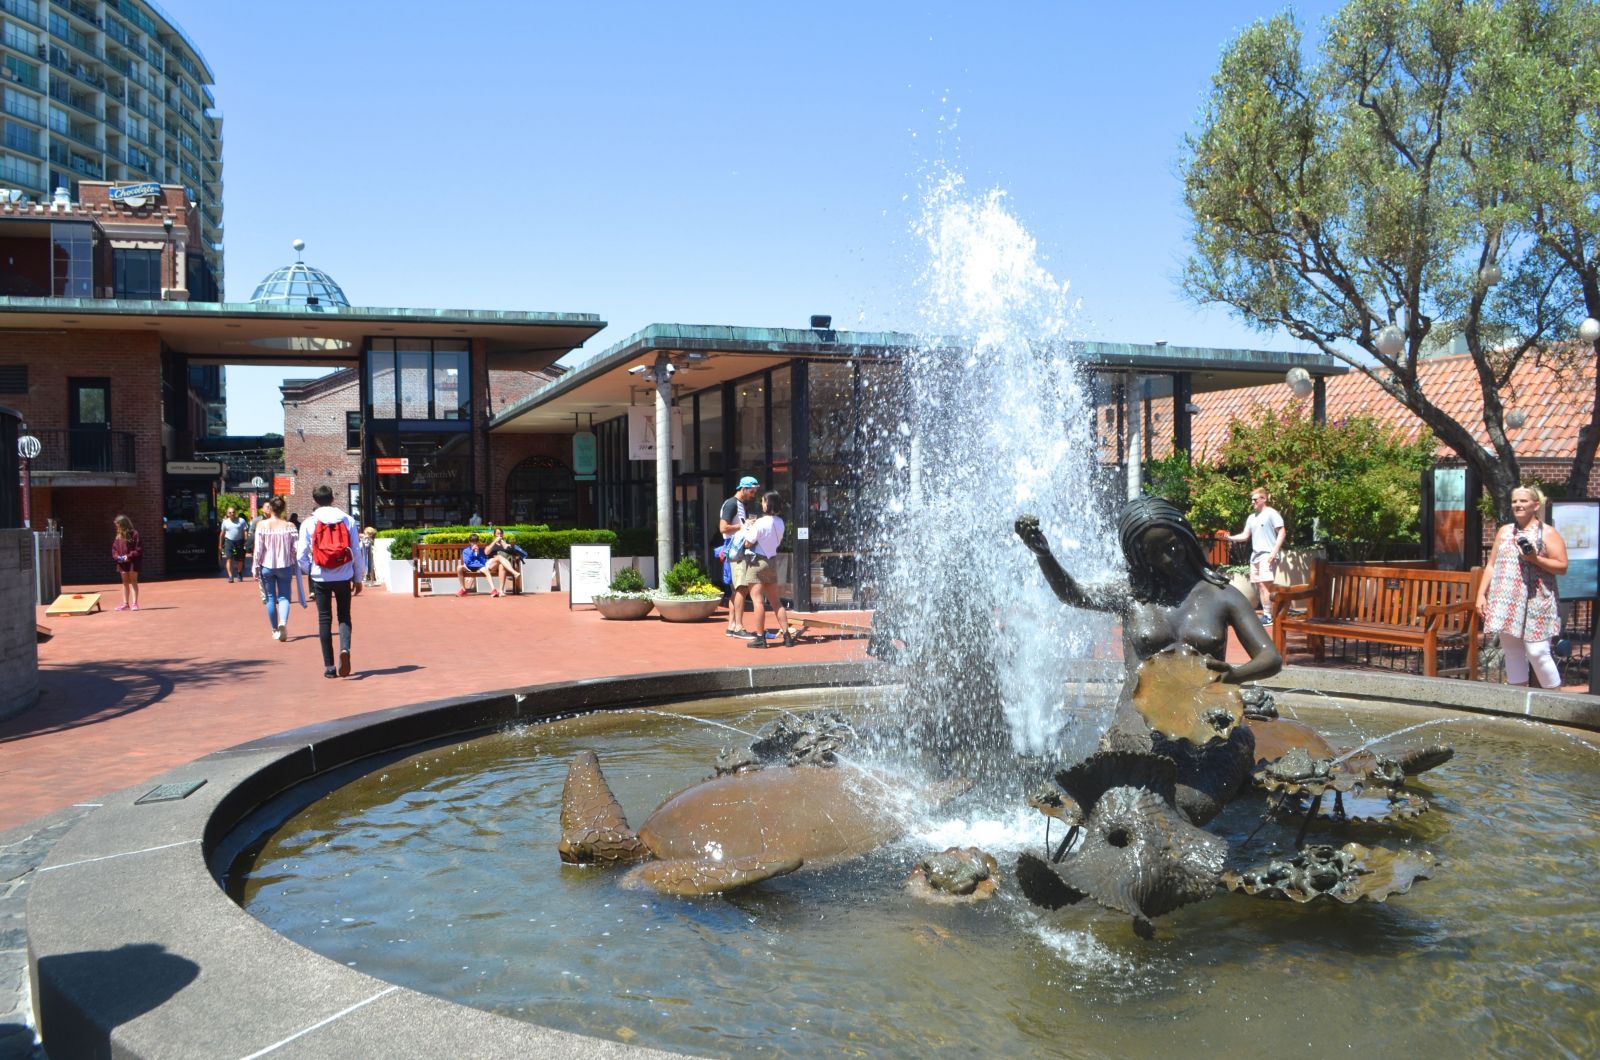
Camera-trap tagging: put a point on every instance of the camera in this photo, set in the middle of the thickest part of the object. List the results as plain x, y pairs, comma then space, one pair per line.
1526, 545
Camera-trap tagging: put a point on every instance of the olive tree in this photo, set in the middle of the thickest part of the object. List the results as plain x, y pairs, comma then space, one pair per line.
1431, 174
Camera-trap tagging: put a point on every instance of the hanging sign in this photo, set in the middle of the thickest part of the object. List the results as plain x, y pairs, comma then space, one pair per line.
283, 485
642, 432
590, 569
394, 465
583, 456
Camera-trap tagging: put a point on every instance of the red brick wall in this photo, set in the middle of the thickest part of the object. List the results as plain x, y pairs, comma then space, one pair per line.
314, 437
131, 360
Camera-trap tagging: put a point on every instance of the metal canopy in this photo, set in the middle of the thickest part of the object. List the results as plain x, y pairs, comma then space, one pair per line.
706, 356
241, 333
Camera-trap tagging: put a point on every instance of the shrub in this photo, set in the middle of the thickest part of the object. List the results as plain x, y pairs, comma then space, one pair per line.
628, 580
684, 574
400, 542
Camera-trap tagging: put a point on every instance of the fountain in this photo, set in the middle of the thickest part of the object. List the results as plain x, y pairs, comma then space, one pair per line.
410, 860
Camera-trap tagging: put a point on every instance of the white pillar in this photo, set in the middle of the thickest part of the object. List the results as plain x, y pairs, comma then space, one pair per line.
1135, 436
663, 378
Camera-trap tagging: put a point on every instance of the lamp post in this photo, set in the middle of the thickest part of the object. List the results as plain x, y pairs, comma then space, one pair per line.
28, 447
166, 223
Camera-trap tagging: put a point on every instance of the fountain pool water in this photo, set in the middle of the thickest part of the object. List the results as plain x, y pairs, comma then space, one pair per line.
439, 872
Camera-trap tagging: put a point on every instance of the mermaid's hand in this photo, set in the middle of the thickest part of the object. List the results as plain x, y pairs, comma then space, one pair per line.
1027, 527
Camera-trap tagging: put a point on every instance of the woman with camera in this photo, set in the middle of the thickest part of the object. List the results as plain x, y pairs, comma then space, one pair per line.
1518, 598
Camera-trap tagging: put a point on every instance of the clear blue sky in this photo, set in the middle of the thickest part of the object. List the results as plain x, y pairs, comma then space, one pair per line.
706, 163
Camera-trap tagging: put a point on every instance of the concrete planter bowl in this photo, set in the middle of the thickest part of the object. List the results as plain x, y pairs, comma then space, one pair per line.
687, 609
623, 607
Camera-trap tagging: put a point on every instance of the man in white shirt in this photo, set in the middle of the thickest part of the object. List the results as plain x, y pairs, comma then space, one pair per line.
1265, 531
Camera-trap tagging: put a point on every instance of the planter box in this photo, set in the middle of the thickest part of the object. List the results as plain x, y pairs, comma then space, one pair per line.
536, 575
563, 575
1294, 568
399, 574
1241, 582
622, 607
687, 610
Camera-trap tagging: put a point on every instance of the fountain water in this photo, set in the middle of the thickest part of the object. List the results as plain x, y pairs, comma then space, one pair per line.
993, 417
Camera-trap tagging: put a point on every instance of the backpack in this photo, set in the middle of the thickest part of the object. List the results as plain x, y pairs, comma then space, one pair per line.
330, 544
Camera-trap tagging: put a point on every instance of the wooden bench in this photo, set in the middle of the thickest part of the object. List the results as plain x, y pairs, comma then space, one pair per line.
431, 562
1413, 607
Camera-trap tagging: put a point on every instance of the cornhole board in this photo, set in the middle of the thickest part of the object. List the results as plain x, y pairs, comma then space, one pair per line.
814, 626
42, 631
74, 604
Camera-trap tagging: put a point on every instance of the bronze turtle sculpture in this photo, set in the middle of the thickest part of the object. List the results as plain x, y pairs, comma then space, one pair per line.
739, 828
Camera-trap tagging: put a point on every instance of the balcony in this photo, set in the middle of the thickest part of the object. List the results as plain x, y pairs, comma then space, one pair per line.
82, 455
27, 10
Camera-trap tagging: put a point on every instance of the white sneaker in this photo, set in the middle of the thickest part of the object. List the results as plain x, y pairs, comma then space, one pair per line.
281, 633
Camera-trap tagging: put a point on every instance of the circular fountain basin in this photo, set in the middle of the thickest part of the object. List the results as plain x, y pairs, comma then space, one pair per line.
134, 944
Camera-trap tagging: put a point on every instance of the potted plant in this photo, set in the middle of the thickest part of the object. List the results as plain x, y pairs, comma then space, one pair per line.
688, 595
1238, 575
627, 597
398, 571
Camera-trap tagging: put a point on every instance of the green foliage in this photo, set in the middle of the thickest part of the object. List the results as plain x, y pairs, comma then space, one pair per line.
1168, 477
238, 501
686, 576
628, 580
1358, 480
484, 531
1553, 491
636, 542
1336, 193
400, 542
537, 542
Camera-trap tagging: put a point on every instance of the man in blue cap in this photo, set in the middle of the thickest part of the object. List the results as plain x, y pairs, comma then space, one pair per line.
731, 521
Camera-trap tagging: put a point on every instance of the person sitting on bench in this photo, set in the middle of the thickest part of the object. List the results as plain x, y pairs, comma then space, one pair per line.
472, 564
505, 562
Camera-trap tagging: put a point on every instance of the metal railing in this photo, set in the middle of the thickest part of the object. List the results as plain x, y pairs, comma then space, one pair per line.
83, 449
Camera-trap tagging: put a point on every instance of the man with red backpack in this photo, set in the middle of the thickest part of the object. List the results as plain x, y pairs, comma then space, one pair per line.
329, 552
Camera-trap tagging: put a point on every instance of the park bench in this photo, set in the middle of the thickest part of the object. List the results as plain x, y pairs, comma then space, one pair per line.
435, 562
1408, 606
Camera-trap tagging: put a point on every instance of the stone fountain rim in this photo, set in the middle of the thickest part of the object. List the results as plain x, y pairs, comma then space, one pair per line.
207, 979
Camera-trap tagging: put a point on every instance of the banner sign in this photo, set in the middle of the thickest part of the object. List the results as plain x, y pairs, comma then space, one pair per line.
194, 467
283, 485
642, 432
1578, 523
583, 456
135, 194
394, 465
590, 567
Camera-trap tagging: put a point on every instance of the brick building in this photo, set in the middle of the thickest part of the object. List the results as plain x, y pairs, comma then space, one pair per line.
104, 385
323, 425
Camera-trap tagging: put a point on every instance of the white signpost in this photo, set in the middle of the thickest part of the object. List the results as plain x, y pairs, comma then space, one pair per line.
591, 573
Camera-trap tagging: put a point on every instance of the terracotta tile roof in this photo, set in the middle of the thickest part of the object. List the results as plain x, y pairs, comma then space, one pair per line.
1557, 402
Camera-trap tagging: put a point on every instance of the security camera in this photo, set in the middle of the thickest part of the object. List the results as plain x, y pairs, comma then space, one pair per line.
639, 369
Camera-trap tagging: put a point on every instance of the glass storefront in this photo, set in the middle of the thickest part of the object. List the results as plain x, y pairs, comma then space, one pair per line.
418, 453
801, 429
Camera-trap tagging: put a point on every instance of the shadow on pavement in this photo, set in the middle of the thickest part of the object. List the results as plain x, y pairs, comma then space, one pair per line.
121, 985
90, 692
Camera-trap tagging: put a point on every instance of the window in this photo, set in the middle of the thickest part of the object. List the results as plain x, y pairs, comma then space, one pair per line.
136, 273
352, 430
419, 379
71, 261
22, 105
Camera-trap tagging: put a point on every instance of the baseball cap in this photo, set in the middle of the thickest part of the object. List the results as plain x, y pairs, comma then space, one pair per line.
749, 483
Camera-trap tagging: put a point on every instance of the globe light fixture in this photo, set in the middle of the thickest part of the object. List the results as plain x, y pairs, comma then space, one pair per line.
1489, 274
1299, 381
1589, 330
1516, 418
1390, 340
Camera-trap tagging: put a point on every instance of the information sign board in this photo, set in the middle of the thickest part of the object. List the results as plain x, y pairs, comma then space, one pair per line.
590, 573
1578, 523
